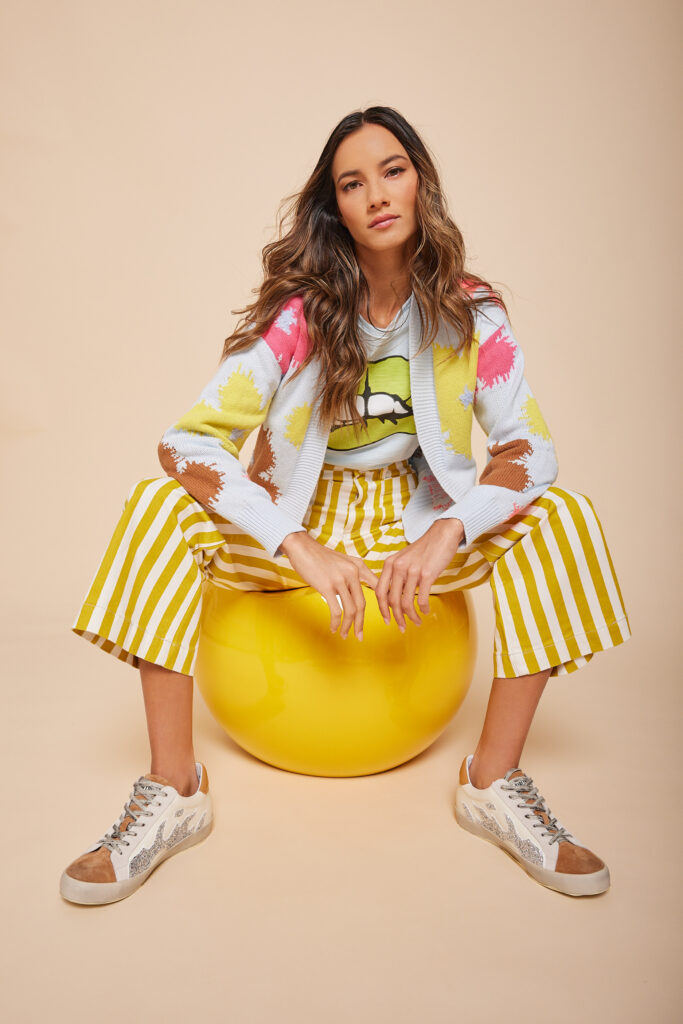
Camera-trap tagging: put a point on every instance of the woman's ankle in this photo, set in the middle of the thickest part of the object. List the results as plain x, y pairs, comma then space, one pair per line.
483, 772
183, 777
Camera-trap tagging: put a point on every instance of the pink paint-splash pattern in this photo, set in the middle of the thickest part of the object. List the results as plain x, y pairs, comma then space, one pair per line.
516, 509
496, 359
283, 334
287, 337
436, 493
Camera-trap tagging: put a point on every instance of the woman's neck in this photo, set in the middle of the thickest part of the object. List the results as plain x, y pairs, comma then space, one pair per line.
382, 315
389, 284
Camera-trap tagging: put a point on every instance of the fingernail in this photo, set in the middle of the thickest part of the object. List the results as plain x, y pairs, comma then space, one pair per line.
360, 636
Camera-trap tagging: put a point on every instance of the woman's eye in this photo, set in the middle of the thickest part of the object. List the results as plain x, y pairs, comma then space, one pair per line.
347, 188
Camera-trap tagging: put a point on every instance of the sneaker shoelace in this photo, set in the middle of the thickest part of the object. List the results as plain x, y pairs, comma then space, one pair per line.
144, 794
533, 801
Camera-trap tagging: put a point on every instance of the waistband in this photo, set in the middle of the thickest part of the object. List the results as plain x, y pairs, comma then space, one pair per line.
403, 467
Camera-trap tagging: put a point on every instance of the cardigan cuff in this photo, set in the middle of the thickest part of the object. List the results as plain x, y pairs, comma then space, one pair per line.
478, 512
269, 525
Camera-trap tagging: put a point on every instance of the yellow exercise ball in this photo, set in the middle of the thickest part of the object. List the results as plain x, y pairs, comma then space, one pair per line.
299, 697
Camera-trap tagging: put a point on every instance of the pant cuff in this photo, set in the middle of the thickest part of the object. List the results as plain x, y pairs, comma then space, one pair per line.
171, 655
521, 666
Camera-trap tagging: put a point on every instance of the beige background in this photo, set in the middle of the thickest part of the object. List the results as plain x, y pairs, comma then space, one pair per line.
146, 147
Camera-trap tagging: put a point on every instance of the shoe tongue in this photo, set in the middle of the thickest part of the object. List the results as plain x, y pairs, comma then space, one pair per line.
158, 778
517, 774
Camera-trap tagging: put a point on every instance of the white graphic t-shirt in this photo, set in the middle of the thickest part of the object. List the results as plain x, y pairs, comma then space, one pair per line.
383, 398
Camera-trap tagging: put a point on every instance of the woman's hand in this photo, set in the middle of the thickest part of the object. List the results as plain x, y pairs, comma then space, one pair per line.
417, 566
331, 573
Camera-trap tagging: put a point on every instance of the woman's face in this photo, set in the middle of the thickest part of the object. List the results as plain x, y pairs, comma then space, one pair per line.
375, 178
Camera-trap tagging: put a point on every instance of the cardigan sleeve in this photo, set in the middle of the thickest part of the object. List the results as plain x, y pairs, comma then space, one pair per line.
202, 449
521, 461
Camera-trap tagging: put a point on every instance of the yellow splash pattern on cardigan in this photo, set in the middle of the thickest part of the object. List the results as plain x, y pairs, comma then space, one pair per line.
297, 423
455, 379
534, 418
238, 414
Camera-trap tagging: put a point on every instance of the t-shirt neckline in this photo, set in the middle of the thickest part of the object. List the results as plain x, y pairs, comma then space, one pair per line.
381, 332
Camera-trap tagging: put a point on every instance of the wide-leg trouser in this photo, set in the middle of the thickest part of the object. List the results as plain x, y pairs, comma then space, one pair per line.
556, 596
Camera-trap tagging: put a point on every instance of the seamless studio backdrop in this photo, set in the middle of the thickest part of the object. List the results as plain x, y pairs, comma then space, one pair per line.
146, 148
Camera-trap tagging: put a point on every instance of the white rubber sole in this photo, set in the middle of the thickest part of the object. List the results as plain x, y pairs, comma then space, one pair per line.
569, 884
97, 893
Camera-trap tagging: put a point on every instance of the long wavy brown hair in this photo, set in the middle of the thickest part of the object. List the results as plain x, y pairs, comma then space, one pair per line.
315, 257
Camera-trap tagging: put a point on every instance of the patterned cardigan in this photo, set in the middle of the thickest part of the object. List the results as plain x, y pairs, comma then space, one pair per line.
254, 388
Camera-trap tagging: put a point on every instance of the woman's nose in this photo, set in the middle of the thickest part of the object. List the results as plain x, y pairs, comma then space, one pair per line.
376, 195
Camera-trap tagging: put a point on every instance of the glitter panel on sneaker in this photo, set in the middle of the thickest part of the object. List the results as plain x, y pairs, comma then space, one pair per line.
141, 861
526, 847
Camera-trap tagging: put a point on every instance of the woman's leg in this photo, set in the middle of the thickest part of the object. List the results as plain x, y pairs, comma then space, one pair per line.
144, 605
168, 707
511, 707
145, 597
557, 602
557, 599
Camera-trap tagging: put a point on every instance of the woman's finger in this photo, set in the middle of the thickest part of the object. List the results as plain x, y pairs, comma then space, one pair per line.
382, 589
369, 577
395, 593
366, 575
423, 593
408, 598
349, 604
359, 600
335, 607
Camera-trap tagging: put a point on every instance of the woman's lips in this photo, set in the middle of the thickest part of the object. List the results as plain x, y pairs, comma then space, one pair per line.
385, 223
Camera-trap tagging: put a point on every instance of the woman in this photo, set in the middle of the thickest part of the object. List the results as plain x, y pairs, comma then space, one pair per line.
362, 362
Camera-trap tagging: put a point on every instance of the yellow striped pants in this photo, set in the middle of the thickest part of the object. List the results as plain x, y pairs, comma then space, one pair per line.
555, 592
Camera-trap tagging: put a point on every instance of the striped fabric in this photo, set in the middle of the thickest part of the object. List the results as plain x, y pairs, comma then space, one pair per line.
555, 592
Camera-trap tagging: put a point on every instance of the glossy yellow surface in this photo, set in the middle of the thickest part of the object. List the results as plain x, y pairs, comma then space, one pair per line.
299, 697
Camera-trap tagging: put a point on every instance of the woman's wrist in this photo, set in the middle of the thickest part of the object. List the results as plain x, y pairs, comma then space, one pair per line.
450, 527
452, 519
291, 540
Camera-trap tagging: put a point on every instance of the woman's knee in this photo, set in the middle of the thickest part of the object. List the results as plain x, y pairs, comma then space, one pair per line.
148, 487
566, 498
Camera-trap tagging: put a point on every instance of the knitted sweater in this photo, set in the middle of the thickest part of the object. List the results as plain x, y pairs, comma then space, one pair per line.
254, 388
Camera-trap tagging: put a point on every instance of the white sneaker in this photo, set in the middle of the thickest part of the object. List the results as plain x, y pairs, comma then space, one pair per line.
155, 823
512, 814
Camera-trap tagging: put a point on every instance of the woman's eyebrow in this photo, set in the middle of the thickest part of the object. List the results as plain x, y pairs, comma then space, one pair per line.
387, 160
